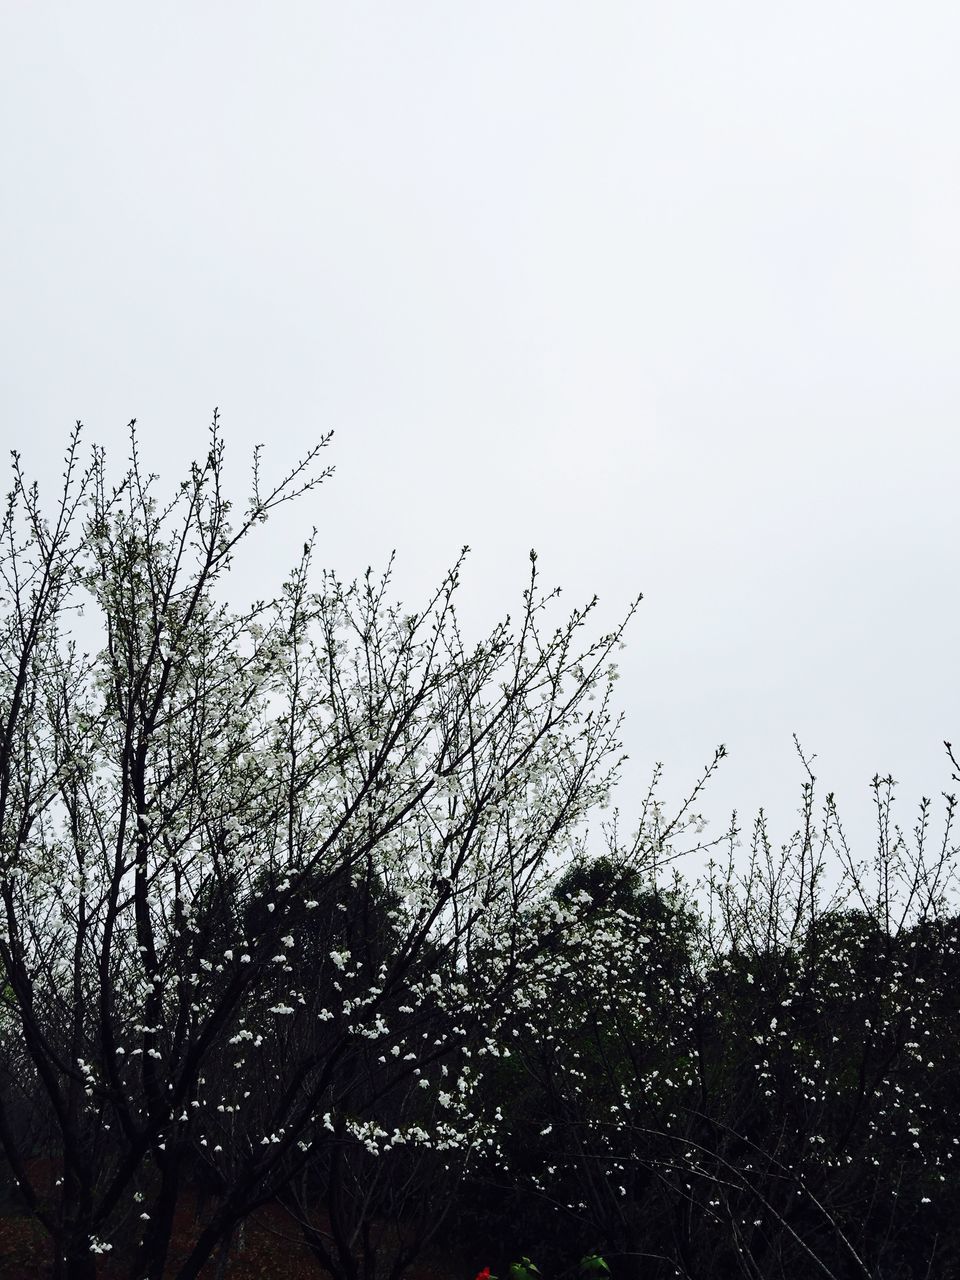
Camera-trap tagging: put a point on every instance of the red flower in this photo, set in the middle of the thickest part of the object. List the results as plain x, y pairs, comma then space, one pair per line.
484, 1274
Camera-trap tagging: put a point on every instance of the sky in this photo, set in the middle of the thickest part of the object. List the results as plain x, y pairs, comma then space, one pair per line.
667, 290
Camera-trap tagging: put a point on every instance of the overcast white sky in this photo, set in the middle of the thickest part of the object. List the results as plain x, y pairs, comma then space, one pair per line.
667, 290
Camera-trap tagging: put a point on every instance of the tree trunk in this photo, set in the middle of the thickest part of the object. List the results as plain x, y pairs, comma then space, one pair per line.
151, 1257
76, 1262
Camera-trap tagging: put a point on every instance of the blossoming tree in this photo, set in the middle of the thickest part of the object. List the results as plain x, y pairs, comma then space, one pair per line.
265, 874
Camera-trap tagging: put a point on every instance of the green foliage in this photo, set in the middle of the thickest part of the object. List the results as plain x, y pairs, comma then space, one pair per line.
589, 1267
523, 1270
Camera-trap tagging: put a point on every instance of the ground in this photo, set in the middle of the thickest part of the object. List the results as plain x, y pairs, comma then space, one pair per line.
271, 1251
